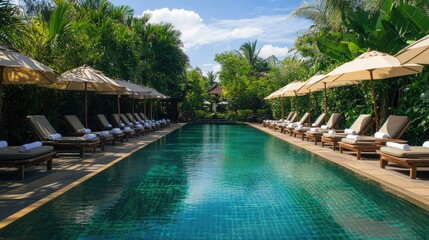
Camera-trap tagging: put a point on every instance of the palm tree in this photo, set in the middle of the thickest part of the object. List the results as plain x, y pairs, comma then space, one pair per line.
249, 52
10, 22
324, 13
211, 77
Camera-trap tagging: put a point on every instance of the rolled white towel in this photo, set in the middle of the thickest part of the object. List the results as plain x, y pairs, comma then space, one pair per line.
324, 127
299, 127
147, 125
89, 136
3, 144
331, 131
404, 147
354, 137
163, 121
290, 125
380, 135
139, 125
116, 130
130, 124
314, 125
27, 147
104, 133
314, 130
54, 136
84, 130
426, 144
127, 128
109, 125
122, 125
350, 131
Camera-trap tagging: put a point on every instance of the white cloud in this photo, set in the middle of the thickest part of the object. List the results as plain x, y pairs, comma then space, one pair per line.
269, 50
195, 33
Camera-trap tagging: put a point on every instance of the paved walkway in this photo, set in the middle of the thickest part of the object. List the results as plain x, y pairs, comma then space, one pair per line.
393, 179
18, 198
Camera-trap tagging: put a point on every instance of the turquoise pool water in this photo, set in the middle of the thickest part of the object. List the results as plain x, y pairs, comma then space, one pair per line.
223, 182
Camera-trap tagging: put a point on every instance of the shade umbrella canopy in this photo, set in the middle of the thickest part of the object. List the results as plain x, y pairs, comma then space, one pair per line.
86, 79
134, 89
223, 103
17, 68
154, 94
418, 52
207, 102
275, 93
371, 65
292, 90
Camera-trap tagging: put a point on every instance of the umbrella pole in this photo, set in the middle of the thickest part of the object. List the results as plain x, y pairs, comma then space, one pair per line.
86, 104
309, 106
133, 109
375, 102
119, 104
151, 109
1, 91
296, 105
326, 99
283, 108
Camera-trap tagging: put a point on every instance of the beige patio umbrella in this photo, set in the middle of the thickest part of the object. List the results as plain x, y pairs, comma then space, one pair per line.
291, 90
134, 89
86, 79
153, 94
371, 65
418, 52
274, 95
16, 68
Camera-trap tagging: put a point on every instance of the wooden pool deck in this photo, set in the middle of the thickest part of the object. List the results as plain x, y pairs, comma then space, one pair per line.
393, 179
18, 198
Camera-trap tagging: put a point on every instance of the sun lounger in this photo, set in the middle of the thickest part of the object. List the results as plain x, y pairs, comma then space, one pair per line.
45, 132
122, 121
145, 123
391, 130
280, 124
291, 126
105, 125
360, 127
12, 156
415, 156
267, 122
128, 131
77, 129
315, 134
300, 131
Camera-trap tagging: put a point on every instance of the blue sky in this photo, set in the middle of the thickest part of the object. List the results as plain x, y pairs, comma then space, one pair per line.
216, 26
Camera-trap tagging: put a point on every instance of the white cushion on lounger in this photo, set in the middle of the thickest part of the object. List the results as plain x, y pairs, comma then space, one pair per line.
380, 135
354, 137
426, 144
350, 131
3, 144
27, 147
324, 127
404, 147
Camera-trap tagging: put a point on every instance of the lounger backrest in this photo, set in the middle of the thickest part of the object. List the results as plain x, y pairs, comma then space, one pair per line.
362, 124
304, 118
289, 116
395, 126
41, 126
333, 120
136, 115
130, 116
319, 120
103, 120
125, 119
144, 116
294, 117
74, 123
117, 119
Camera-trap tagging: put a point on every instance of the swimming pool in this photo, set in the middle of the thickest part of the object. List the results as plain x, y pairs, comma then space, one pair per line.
223, 182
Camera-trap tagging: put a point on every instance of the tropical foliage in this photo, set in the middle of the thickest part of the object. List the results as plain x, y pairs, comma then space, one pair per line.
66, 34
342, 30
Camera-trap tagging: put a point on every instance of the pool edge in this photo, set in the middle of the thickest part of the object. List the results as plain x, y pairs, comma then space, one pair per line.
401, 192
26, 210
